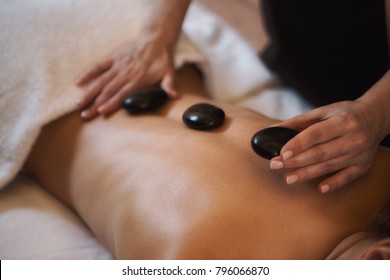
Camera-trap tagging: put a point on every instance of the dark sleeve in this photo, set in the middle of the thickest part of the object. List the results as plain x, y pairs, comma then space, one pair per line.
328, 50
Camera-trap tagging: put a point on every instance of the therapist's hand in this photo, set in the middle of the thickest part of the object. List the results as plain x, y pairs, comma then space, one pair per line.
338, 141
132, 66
146, 61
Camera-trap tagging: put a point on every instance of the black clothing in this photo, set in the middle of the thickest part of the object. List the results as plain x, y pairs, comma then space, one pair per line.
328, 50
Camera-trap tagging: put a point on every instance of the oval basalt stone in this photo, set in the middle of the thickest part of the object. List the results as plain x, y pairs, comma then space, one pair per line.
145, 100
203, 116
268, 142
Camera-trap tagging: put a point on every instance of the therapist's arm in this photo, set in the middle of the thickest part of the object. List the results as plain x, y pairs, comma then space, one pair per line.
338, 141
146, 61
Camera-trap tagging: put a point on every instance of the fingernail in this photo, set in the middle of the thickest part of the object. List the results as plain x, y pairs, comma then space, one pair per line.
325, 188
291, 179
84, 114
79, 101
276, 164
287, 155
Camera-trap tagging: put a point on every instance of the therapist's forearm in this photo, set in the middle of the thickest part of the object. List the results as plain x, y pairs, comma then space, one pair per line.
165, 20
377, 100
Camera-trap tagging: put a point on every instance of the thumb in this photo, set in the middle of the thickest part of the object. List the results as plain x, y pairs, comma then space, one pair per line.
168, 84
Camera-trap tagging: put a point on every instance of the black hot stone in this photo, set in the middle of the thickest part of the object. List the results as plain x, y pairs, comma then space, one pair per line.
268, 142
203, 116
145, 100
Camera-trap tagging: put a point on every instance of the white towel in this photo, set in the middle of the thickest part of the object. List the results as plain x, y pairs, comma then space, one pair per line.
44, 44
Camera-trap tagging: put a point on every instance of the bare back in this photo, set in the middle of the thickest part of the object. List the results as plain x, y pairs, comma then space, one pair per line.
150, 188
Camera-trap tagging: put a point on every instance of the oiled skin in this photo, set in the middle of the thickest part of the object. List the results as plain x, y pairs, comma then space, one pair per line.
150, 188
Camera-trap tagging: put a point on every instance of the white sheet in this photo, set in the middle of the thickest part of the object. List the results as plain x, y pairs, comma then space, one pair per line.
34, 225
44, 45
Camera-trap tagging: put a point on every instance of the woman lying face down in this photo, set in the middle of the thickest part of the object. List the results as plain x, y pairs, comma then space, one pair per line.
150, 188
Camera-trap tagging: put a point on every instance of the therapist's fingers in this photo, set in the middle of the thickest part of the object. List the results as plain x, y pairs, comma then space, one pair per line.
113, 102
115, 86
343, 119
95, 88
342, 178
93, 72
168, 83
341, 170
104, 87
99, 92
106, 106
89, 113
311, 136
314, 155
343, 173
313, 171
